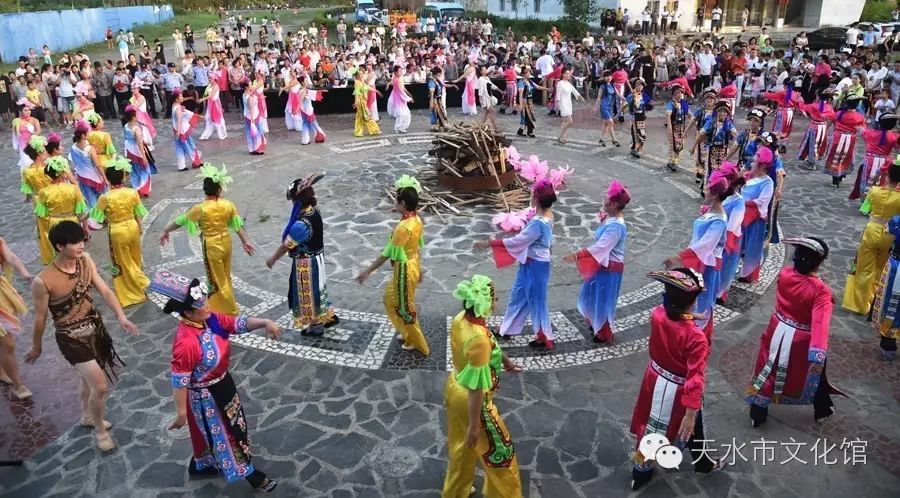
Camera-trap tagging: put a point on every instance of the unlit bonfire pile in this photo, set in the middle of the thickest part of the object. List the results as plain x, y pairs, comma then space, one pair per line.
471, 167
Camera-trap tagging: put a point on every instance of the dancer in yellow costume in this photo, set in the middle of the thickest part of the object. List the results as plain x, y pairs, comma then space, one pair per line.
11, 307
122, 209
60, 200
875, 246
403, 252
33, 181
475, 431
360, 102
99, 139
212, 219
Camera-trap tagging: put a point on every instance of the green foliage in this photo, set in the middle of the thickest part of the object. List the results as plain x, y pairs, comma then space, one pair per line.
581, 11
530, 26
878, 10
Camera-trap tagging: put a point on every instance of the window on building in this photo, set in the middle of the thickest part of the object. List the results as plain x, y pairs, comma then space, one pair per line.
537, 5
502, 5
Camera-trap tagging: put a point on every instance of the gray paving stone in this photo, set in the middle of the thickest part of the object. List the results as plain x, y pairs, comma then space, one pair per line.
342, 451
548, 462
162, 474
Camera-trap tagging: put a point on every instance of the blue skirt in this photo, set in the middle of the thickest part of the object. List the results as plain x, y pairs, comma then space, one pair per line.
597, 300
706, 301
730, 261
752, 246
528, 298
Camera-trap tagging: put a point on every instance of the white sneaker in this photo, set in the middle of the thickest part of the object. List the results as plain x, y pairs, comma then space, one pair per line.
406, 346
22, 393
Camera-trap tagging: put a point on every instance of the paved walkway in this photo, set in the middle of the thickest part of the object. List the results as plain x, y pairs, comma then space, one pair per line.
352, 415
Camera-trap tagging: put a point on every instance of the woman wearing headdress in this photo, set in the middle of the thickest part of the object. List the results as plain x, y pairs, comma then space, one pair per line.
786, 100
23, 128
734, 212
363, 121
372, 95
309, 125
717, 134
531, 249
403, 251
183, 123
700, 117
637, 104
601, 265
470, 76
60, 200
475, 432
137, 151
215, 115
254, 127
881, 142
211, 220
777, 173
874, 245
99, 138
139, 102
606, 101
34, 179
790, 365
121, 208
292, 119
437, 95
526, 88
206, 397
886, 307
757, 193
704, 253
303, 239
842, 147
12, 306
746, 143
729, 93
670, 401
815, 140
88, 168
82, 106
678, 115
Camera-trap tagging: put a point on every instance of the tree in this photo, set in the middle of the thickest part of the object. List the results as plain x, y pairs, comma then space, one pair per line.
581, 11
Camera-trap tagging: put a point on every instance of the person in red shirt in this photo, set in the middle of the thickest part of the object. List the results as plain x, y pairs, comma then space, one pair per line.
843, 140
738, 69
670, 400
880, 145
790, 364
786, 100
305, 59
815, 140
512, 91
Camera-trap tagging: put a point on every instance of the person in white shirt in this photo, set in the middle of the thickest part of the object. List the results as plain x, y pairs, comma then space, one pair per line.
564, 93
487, 29
487, 101
664, 19
544, 64
705, 62
716, 19
588, 40
852, 36
875, 76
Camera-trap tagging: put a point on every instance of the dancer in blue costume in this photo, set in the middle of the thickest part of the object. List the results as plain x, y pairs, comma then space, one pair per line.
734, 211
531, 249
601, 265
757, 194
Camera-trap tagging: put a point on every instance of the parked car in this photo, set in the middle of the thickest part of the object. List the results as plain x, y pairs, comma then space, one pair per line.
828, 37
368, 13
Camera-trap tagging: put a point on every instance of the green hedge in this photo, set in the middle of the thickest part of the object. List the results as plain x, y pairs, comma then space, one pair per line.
531, 27
878, 10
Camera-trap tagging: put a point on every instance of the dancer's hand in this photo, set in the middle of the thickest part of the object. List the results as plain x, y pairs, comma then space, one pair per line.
510, 366
482, 244
686, 430
569, 258
672, 262
273, 331
129, 327
164, 238
270, 263
248, 248
362, 277
178, 422
33, 355
472, 434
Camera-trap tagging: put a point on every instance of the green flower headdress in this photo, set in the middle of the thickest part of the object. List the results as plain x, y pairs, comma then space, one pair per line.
406, 181
38, 143
219, 176
476, 294
58, 163
92, 117
119, 163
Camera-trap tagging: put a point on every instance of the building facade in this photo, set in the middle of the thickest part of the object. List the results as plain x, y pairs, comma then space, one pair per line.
805, 13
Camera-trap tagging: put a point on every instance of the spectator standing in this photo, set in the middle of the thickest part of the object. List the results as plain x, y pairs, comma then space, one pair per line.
189, 37
852, 37
278, 34
664, 18
645, 21
745, 18
103, 88
122, 43
716, 19
200, 75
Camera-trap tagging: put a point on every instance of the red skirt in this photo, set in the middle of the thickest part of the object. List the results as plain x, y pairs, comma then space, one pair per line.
840, 153
659, 409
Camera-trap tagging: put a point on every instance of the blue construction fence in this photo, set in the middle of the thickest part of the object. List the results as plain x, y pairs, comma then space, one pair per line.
65, 29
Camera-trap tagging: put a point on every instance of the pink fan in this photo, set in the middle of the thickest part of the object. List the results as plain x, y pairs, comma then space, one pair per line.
558, 176
512, 154
527, 214
509, 222
534, 169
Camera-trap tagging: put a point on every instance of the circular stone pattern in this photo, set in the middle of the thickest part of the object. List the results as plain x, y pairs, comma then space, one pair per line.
358, 220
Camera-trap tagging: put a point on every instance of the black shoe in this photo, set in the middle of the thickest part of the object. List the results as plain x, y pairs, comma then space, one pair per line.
502, 111
267, 486
515, 112
744, 280
334, 321
531, 135
208, 471
720, 301
621, 119
537, 344
640, 478
672, 167
520, 132
635, 155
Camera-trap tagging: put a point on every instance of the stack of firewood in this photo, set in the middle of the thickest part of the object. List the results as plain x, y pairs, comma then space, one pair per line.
468, 149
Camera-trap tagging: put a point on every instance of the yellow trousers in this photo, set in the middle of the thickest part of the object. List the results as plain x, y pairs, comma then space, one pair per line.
364, 122
873, 253
129, 281
43, 231
217, 258
400, 304
493, 451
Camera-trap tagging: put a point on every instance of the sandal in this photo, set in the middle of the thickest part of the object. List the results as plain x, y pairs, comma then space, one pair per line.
268, 485
87, 422
602, 143
105, 442
617, 144
562, 141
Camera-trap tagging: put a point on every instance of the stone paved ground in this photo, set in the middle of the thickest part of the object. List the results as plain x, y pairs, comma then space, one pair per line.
352, 415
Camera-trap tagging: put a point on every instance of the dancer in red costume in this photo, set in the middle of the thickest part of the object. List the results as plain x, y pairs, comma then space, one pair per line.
839, 160
880, 145
815, 140
787, 101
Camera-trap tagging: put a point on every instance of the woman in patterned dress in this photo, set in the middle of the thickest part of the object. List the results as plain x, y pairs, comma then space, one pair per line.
206, 398
11, 307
